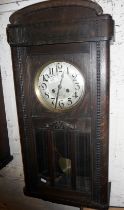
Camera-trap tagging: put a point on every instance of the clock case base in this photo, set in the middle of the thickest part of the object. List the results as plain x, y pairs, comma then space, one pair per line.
86, 203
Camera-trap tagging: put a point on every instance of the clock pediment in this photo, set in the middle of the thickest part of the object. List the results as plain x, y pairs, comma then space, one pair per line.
52, 10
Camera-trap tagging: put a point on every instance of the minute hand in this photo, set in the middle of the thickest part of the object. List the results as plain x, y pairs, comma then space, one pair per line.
59, 87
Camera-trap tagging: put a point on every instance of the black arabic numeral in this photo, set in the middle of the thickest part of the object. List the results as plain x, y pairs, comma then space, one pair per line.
74, 77
75, 95
77, 86
47, 94
51, 71
53, 101
67, 70
45, 77
44, 86
69, 101
61, 104
58, 67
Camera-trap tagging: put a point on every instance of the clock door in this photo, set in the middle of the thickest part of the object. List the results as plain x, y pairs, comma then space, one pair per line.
62, 136
61, 71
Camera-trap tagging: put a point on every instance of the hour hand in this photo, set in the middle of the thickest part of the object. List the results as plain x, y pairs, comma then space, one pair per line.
59, 87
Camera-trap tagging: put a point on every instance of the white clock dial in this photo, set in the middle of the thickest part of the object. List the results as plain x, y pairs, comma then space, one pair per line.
59, 86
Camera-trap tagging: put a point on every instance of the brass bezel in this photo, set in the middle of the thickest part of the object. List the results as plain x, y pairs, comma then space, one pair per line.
41, 99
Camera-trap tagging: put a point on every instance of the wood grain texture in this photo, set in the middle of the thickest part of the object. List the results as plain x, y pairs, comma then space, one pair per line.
22, 15
116, 171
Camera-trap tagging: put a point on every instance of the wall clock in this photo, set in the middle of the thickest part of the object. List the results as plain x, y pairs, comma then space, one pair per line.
60, 55
5, 156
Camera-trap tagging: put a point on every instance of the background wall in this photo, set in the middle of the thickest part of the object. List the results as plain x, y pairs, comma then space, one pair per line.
11, 177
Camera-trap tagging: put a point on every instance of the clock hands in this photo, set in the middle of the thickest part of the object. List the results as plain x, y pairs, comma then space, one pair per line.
59, 87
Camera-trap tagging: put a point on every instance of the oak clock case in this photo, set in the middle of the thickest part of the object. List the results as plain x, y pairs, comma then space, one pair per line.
60, 55
5, 156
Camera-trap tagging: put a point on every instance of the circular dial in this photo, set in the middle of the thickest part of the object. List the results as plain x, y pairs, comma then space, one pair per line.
59, 86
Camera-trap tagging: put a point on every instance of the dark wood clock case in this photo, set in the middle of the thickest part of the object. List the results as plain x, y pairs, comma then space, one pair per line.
5, 156
78, 32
